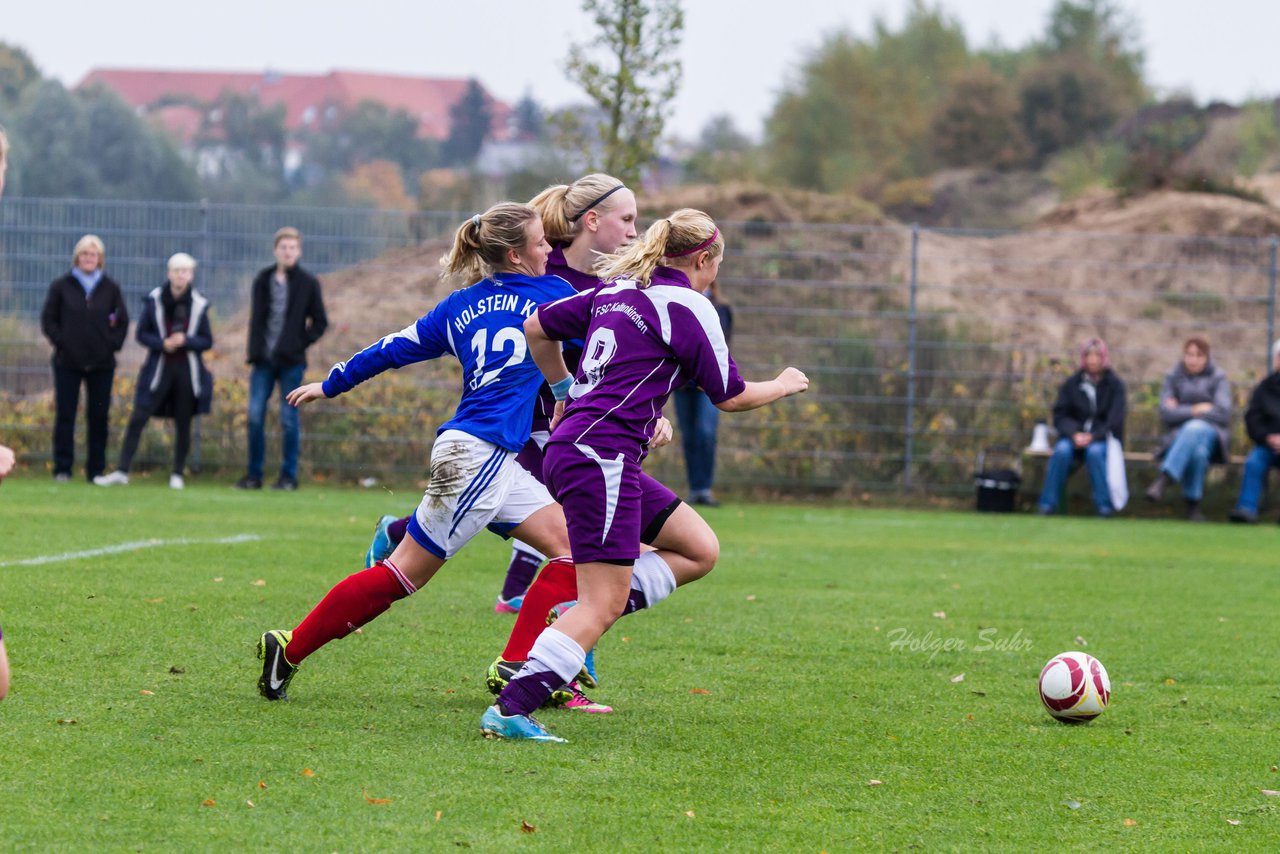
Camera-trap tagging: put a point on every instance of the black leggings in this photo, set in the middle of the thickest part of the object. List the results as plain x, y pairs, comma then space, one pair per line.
175, 385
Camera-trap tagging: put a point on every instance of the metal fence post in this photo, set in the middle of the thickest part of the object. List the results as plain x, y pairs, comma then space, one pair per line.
197, 444
1271, 301
911, 361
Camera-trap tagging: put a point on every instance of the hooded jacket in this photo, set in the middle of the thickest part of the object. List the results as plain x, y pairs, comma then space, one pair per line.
151, 334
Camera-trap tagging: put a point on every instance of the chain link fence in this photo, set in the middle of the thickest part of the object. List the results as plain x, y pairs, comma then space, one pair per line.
924, 346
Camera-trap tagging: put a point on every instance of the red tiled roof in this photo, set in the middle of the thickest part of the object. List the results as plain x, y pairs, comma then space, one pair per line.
427, 98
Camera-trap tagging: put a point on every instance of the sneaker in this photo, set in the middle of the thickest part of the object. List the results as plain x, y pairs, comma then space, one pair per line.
62, 477
176, 482
580, 702
285, 484
249, 482
277, 672
494, 724
116, 478
508, 606
1246, 517
502, 671
381, 547
705, 499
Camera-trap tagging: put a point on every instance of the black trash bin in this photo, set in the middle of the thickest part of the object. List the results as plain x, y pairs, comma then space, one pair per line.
997, 478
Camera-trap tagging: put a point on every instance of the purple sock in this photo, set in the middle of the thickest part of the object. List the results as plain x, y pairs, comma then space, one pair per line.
520, 573
554, 659
397, 529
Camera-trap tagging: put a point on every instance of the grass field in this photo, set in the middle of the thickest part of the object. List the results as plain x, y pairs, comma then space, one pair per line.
756, 709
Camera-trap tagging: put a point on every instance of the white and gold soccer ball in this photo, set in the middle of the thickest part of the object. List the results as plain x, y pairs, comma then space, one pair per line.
1074, 687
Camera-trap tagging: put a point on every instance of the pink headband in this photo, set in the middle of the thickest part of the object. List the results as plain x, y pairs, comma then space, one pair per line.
715, 232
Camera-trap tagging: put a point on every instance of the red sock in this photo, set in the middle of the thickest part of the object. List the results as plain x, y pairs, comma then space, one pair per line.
351, 603
558, 582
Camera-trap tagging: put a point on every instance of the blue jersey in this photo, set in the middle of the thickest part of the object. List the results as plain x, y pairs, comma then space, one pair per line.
483, 327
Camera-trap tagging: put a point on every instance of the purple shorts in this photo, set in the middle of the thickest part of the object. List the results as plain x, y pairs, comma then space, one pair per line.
530, 456
610, 504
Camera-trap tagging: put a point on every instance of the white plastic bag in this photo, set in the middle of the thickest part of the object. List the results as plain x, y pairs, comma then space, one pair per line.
1117, 482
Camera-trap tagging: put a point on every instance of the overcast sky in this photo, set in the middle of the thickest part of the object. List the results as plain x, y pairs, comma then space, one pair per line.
736, 58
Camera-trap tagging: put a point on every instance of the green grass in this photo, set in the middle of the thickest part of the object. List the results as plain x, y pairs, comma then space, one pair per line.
808, 700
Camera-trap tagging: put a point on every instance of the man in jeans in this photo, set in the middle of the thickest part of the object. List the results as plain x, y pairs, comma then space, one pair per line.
286, 317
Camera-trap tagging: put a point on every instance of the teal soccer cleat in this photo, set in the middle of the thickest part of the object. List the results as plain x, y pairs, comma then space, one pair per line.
494, 724
381, 547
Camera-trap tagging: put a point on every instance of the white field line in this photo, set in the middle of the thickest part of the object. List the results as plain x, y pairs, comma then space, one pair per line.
130, 547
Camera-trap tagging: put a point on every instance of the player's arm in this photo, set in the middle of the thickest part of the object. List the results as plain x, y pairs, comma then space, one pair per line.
416, 343
755, 395
547, 355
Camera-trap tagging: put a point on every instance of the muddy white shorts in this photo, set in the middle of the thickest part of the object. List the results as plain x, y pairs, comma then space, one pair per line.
474, 485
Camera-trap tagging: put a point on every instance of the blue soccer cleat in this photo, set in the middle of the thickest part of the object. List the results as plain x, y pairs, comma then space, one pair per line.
381, 547
494, 724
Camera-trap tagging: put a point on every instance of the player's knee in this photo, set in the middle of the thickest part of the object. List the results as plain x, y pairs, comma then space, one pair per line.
703, 551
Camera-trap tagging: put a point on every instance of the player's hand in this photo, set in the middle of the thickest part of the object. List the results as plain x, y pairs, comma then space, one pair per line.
305, 394
662, 433
556, 415
7, 461
793, 381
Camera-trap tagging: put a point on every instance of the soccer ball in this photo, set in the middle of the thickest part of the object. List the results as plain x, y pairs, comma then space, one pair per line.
1074, 687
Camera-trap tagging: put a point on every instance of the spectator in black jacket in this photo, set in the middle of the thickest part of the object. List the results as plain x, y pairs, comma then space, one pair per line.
1090, 405
173, 382
85, 319
1262, 423
286, 316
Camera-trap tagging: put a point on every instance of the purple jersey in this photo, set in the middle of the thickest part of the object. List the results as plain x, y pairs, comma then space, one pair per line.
544, 406
640, 344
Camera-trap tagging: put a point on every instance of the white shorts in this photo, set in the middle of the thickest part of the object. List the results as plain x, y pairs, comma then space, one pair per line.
474, 484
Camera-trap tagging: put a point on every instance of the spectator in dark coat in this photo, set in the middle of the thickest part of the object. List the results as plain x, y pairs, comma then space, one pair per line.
699, 420
85, 319
1090, 405
1262, 423
286, 316
173, 382
1195, 408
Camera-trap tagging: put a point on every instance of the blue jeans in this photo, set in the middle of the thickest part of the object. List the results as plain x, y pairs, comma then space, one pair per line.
261, 382
1187, 459
698, 419
1065, 456
1256, 466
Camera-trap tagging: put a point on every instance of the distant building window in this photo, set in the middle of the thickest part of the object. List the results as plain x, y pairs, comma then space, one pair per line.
330, 112
309, 116
215, 115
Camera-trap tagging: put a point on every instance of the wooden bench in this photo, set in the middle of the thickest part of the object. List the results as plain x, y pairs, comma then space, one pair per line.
1136, 457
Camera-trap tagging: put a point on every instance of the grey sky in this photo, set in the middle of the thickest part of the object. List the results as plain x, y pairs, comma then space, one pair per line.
737, 53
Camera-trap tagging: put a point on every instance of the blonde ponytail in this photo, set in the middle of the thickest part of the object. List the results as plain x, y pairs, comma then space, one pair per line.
562, 206
677, 239
480, 244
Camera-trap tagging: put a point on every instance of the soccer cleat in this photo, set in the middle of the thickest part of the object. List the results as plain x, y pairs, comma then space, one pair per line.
580, 702
277, 672
381, 547
508, 606
494, 724
502, 671
116, 478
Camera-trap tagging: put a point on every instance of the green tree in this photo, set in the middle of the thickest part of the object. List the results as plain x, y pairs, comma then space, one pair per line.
977, 123
723, 153
530, 121
17, 72
860, 112
251, 139
372, 131
469, 122
631, 72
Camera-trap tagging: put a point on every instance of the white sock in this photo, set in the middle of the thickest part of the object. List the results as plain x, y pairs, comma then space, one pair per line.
557, 652
653, 578
518, 547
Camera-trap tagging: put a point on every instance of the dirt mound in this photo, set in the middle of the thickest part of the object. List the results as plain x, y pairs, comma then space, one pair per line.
1165, 212
743, 202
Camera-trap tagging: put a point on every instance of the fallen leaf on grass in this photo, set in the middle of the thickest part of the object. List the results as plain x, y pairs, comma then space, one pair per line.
874, 783
1128, 822
968, 717
1171, 681
689, 813
626, 638
358, 632
1071, 805
1080, 640
979, 693
177, 670
438, 814
147, 693
249, 804
751, 598
69, 721
307, 772
941, 615
262, 784
208, 802
699, 691
261, 582
375, 800
218, 580
959, 677
1270, 793
155, 601
525, 827
1233, 822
